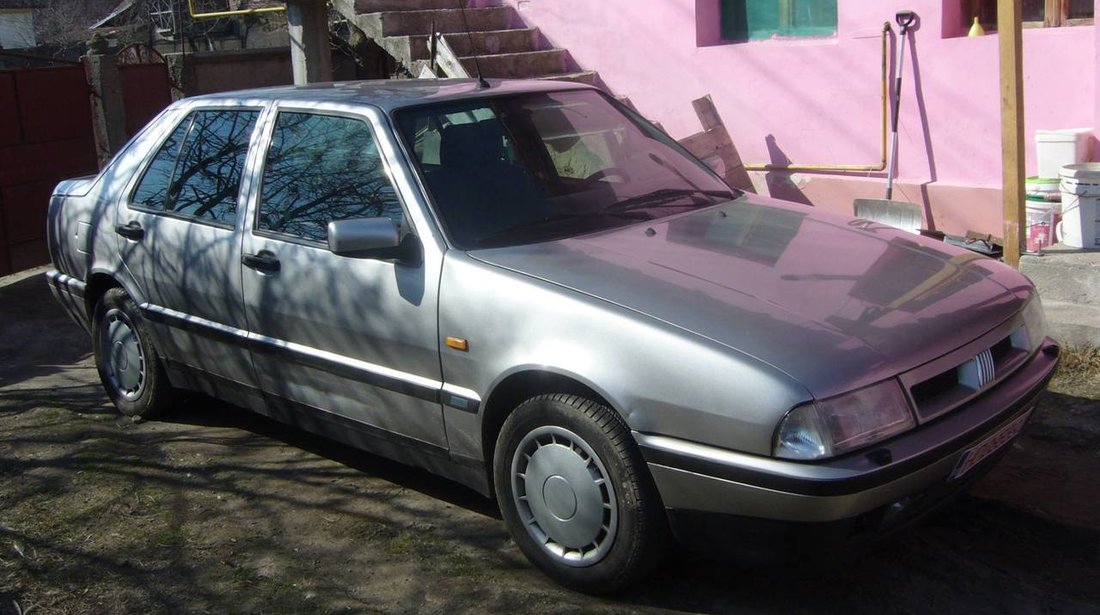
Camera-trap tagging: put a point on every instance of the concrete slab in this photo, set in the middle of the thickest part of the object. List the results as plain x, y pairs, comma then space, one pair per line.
1068, 280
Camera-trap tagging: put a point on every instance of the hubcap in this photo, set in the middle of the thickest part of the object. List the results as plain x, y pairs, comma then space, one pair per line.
563, 496
125, 361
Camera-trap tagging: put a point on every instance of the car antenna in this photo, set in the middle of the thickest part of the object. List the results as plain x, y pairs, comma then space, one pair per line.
481, 82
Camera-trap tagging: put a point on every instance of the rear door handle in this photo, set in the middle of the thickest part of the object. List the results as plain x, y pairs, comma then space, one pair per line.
264, 261
131, 230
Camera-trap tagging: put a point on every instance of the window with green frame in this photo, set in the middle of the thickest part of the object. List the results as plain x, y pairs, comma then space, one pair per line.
1035, 13
750, 20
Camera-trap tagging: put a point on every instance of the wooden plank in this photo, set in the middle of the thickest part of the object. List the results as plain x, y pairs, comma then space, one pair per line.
708, 114
447, 59
1050, 13
1010, 31
698, 142
715, 141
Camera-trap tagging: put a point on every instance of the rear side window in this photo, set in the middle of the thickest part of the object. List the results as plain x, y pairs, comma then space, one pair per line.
197, 171
322, 168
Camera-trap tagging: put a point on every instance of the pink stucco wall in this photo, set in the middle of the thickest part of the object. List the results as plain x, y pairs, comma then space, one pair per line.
818, 100
1096, 68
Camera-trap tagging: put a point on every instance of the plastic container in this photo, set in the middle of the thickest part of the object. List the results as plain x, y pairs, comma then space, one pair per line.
1040, 224
1055, 149
1080, 185
1044, 189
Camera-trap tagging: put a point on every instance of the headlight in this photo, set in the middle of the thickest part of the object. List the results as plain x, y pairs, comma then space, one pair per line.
840, 424
1035, 322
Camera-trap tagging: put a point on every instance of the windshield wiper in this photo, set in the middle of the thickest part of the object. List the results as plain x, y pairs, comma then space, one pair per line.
525, 228
662, 196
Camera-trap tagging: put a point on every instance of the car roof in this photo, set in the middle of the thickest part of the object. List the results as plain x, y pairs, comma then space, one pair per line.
391, 94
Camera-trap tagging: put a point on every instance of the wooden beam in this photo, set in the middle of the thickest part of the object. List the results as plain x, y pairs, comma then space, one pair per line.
715, 142
1009, 30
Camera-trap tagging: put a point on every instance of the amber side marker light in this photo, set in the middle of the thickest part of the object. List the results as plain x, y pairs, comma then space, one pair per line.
458, 343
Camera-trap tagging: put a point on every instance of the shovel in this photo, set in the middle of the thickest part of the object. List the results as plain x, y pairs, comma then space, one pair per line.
899, 214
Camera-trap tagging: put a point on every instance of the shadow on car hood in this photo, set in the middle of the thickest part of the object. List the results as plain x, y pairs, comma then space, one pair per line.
834, 302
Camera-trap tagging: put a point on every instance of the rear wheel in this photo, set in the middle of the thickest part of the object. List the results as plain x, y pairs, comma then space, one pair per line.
576, 495
129, 367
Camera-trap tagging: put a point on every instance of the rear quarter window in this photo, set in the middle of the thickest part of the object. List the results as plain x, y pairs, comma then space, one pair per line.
196, 172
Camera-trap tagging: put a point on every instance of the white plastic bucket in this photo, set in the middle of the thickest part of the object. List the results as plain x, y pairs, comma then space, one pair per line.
1044, 189
1080, 226
1040, 225
1055, 149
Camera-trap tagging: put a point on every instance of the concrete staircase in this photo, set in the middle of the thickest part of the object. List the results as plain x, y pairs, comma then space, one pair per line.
499, 40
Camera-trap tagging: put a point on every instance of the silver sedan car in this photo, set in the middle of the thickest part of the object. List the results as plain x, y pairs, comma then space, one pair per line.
529, 289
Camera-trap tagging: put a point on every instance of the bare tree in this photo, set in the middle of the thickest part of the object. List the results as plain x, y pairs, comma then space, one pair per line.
65, 21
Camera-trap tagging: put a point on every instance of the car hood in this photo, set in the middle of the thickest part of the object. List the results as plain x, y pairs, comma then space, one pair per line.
834, 302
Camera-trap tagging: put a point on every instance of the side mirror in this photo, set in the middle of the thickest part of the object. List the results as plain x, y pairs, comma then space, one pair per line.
377, 238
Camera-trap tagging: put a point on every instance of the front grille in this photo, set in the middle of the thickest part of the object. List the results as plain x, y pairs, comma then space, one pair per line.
948, 382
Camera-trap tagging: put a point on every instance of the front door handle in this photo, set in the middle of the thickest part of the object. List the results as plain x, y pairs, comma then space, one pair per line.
132, 230
264, 261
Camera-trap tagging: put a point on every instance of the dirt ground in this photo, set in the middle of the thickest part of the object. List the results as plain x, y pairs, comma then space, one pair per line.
213, 510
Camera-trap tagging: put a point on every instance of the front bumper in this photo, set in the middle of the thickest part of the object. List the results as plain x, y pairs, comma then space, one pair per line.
874, 489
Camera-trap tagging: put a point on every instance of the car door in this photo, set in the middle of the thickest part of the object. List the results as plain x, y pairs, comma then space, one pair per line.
337, 336
179, 243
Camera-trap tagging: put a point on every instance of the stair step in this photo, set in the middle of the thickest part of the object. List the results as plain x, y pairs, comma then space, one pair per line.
402, 23
380, 6
518, 65
483, 43
585, 76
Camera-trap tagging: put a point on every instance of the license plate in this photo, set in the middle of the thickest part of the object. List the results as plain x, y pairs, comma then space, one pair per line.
987, 447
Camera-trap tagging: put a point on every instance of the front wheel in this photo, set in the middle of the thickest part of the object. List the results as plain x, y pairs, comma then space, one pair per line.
575, 494
128, 364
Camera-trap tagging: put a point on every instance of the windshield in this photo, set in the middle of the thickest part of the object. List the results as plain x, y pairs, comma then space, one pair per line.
523, 169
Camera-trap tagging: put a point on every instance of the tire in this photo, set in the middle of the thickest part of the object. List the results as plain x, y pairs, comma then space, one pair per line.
130, 368
597, 524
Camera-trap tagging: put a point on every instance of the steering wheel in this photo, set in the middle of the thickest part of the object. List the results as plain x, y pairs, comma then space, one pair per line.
608, 172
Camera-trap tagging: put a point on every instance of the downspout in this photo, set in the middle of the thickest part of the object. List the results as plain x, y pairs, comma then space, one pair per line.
762, 166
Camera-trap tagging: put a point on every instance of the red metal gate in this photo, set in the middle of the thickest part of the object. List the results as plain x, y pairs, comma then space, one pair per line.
146, 88
45, 136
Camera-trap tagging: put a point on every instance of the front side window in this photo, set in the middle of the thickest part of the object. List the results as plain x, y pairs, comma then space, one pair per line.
523, 169
321, 168
196, 173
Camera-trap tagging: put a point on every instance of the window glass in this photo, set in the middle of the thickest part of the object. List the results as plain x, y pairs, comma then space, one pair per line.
208, 174
322, 168
743, 20
1079, 9
152, 192
578, 146
428, 133
528, 168
1034, 13
197, 172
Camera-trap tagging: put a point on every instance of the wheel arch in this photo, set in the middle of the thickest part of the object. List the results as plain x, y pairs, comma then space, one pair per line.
98, 283
521, 385
101, 280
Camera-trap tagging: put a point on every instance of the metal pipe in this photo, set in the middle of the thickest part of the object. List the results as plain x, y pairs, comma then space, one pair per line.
212, 15
767, 166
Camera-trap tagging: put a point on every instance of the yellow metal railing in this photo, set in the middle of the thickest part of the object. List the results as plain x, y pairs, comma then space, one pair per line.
215, 14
